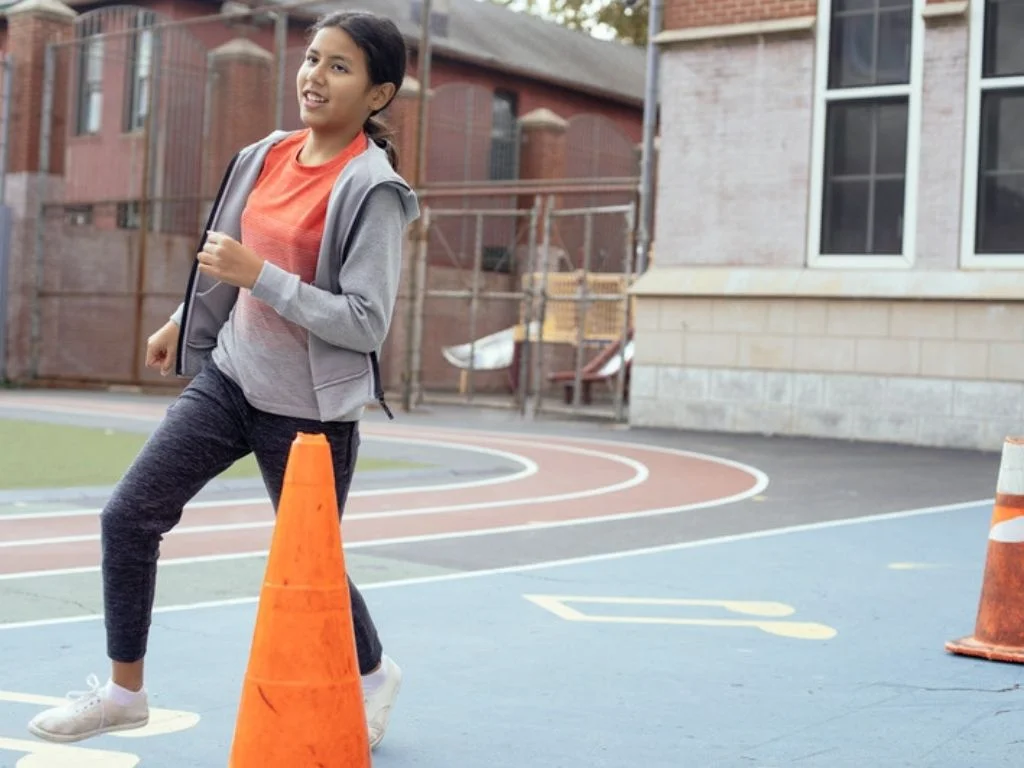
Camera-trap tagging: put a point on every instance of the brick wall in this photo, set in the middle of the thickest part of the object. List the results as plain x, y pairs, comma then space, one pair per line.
89, 305
242, 103
944, 373
734, 158
685, 14
29, 33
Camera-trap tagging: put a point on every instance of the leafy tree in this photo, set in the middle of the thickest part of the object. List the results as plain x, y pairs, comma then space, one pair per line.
612, 19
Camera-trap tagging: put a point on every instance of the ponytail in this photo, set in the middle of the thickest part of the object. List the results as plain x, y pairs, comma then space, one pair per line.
379, 133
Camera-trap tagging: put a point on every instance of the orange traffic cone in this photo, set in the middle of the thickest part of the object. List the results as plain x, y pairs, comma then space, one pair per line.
999, 631
302, 699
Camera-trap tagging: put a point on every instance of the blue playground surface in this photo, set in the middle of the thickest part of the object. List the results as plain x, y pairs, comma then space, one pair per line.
820, 646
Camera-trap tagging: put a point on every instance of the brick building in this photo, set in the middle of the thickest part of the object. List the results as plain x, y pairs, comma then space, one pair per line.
840, 229
150, 100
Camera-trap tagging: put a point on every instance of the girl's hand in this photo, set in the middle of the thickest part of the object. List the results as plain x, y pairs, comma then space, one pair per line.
161, 348
224, 258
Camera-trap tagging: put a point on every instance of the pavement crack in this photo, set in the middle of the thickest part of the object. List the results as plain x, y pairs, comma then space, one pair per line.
958, 733
39, 596
929, 689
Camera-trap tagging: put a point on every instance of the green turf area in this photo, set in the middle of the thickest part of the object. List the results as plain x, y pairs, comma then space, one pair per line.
42, 455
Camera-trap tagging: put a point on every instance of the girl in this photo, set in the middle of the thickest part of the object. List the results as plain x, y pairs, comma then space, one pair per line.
290, 298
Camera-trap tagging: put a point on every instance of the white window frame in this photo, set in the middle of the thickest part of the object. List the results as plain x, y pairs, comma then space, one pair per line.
976, 86
823, 96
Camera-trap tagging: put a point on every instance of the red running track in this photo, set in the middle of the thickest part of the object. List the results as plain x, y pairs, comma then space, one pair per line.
576, 480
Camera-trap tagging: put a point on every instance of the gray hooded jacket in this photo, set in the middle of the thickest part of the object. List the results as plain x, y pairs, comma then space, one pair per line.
347, 309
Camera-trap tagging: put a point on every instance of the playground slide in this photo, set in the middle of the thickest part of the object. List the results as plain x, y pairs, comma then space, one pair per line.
490, 353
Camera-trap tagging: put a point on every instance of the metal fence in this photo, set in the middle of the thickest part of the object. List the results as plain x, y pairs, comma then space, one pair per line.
6, 218
542, 334
141, 115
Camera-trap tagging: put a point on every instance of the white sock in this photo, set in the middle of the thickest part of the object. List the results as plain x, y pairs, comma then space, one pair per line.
122, 696
373, 681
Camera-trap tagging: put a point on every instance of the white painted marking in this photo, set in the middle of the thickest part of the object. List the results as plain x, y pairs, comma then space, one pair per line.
911, 566
41, 754
640, 476
529, 468
794, 630
552, 564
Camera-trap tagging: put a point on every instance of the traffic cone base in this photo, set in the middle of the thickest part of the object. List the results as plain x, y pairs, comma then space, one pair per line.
999, 628
971, 646
302, 697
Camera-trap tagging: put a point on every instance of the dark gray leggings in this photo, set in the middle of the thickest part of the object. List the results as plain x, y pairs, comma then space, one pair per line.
207, 429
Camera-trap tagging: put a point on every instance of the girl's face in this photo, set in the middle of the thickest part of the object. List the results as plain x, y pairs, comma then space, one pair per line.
333, 84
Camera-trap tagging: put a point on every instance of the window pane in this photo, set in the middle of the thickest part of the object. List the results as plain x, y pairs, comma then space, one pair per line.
1004, 38
866, 151
870, 46
846, 217
839, 6
1000, 227
887, 232
145, 53
852, 51
94, 71
1002, 137
95, 110
1001, 214
849, 139
893, 47
891, 156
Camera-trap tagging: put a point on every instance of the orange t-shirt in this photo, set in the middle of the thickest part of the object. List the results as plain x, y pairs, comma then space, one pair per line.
283, 223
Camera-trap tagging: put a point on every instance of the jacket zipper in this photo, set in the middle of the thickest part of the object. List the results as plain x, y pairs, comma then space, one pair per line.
178, 368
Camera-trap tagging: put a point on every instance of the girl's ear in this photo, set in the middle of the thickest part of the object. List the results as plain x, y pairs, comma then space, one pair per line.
381, 96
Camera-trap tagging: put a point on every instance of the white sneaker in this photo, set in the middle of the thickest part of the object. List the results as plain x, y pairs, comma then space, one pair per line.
89, 713
380, 703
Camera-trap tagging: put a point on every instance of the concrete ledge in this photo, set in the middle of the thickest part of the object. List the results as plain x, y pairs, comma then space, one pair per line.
241, 48
832, 283
944, 10
51, 8
678, 37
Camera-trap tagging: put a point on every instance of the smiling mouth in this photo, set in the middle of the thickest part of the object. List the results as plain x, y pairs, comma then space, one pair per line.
313, 98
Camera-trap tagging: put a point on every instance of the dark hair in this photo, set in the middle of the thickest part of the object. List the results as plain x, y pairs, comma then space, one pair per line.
384, 48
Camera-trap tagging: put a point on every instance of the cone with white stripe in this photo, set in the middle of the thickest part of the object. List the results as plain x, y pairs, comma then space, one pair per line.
999, 630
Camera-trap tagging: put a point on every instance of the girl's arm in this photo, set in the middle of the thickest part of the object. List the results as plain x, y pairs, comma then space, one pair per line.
359, 317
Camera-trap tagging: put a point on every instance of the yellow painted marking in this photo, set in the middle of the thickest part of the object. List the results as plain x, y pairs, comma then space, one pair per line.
161, 721
799, 630
42, 754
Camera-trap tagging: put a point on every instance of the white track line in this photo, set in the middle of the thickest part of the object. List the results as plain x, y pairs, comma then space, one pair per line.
760, 484
447, 434
47, 407
640, 476
698, 505
551, 564
529, 468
